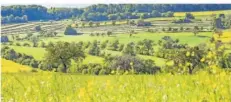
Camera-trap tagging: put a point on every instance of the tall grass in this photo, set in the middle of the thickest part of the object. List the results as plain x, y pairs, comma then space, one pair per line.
55, 87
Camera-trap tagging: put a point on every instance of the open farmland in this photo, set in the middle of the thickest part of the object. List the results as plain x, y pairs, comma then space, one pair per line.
204, 13
29, 27
116, 53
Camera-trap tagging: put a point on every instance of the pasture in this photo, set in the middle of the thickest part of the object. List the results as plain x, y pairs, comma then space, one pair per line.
204, 13
184, 38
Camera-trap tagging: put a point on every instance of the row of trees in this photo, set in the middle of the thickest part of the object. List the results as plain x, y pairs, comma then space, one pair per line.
185, 59
11, 54
188, 59
221, 21
121, 8
144, 47
60, 54
119, 16
14, 19
101, 11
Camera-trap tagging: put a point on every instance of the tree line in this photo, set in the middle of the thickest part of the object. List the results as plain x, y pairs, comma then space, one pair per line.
186, 59
100, 12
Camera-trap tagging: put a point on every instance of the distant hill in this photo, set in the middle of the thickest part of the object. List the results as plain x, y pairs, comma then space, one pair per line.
66, 5
100, 12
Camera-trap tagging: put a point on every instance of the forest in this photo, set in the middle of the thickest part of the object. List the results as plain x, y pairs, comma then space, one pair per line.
100, 12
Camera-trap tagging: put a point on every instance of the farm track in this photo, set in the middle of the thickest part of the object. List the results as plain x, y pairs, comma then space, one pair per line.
29, 27
125, 28
22, 28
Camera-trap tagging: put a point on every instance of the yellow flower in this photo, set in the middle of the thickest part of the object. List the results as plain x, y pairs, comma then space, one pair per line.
192, 54
112, 72
189, 64
131, 63
203, 59
108, 83
188, 54
126, 72
210, 54
82, 92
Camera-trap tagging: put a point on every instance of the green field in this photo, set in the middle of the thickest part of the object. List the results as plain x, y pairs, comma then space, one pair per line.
38, 53
185, 38
188, 38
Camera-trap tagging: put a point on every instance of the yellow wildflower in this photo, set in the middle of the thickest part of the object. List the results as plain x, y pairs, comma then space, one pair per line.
203, 59
192, 54
188, 54
82, 92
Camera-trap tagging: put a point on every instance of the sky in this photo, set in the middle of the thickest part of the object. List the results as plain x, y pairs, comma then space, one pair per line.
56, 5
60, 2
84, 3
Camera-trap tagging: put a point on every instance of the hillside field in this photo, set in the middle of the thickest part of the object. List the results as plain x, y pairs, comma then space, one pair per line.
12, 67
66, 59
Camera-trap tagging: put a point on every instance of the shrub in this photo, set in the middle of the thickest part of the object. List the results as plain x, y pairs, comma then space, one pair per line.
70, 31
133, 65
84, 71
34, 70
189, 16
26, 62
26, 44
38, 28
126, 63
114, 45
18, 44
109, 33
19, 60
104, 44
35, 40
102, 72
94, 49
43, 44
102, 54
86, 45
61, 68
95, 71
92, 34
97, 34
45, 66
130, 49
121, 47
11, 43
102, 34
34, 63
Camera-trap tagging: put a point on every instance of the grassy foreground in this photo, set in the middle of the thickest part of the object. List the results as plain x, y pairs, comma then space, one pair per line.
55, 87
12, 67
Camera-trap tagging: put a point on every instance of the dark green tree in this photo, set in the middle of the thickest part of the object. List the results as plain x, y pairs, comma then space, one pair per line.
94, 48
114, 45
130, 49
63, 53
70, 31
